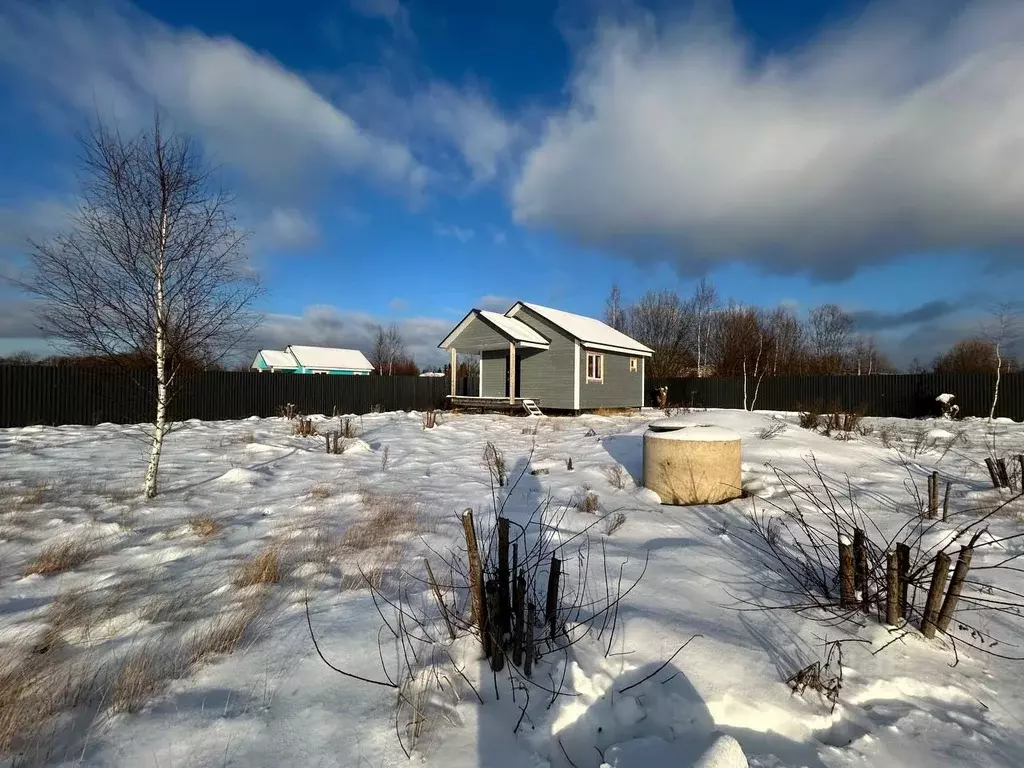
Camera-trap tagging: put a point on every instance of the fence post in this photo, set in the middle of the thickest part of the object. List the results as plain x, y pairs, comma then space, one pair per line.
956, 585
892, 589
551, 612
476, 578
847, 574
931, 607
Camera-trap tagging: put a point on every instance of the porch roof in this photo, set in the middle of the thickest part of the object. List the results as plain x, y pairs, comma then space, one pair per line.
516, 331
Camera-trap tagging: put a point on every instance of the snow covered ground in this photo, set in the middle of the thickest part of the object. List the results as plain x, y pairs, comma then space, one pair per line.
155, 649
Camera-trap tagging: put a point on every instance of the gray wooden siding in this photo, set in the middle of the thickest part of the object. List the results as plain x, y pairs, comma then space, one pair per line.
546, 375
620, 388
478, 334
494, 373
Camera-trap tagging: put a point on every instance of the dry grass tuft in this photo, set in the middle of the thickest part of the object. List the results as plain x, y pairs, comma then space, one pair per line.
61, 556
32, 690
586, 501
264, 567
771, 429
374, 544
613, 411
223, 634
142, 675
203, 525
320, 492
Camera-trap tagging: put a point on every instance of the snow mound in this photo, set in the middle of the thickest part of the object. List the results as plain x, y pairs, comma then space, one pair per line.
259, 448
945, 398
646, 494
357, 446
940, 434
239, 476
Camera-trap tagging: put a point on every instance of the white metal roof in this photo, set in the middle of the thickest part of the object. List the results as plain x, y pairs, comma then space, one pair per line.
330, 358
277, 359
516, 330
590, 331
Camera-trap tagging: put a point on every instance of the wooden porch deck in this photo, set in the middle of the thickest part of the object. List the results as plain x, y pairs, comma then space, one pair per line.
501, 404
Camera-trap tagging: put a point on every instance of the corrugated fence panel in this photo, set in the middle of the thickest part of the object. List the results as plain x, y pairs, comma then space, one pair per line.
31, 394
908, 396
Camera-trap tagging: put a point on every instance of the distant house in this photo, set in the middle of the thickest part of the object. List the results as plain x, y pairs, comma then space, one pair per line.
300, 359
560, 360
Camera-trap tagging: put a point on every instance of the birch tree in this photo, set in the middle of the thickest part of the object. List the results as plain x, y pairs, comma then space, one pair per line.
151, 264
1002, 332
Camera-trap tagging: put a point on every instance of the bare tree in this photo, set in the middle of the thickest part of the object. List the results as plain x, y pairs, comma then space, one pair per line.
829, 329
788, 352
388, 349
614, 313
704, 302
659, 320
151, 264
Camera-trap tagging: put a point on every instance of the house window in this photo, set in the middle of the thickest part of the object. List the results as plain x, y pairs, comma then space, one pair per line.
595, 367
634, 364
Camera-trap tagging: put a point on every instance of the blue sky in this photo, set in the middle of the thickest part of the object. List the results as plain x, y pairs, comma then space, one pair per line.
405, 160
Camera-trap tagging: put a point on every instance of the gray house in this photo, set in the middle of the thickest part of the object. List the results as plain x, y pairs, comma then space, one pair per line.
559, 360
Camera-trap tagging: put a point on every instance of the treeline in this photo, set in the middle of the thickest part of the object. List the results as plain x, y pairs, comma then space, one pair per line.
702, 335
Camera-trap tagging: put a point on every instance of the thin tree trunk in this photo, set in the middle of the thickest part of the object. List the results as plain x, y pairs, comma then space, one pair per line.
995, 392
160, 422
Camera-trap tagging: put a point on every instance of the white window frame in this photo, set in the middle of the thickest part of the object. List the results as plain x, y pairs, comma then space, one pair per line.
598, 359
634, 364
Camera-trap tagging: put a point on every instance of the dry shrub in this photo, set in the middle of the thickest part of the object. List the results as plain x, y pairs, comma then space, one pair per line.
374, 544
68, 610
180, 606
263, 567
348, 429
617, 475
494, 461
320, 492
810, 419
384, 459
839, 421
62, 556
32, 496
531, 430
203, 525
772, 428
614, 522
586, 501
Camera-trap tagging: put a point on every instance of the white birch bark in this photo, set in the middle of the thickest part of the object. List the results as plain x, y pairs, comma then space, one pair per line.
160, 421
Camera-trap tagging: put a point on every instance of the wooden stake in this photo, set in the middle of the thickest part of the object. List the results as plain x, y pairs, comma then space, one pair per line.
933, 495
503, 619
328, 439
992, 472
847, 575
494, 625
440, 600
892, 589
531, 617
1004, 477
476, 581
551, 612
956, 585
336, 443
860, 568
518, 627
903, 562
935, 590
945, 502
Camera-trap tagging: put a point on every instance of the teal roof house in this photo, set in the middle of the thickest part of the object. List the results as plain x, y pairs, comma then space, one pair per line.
302, 359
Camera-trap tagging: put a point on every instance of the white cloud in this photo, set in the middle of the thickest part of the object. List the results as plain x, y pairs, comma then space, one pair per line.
328, 326
472, 124
286, 229
494, 303
461, 234
391, 11
398, 304
247, 109
898, 133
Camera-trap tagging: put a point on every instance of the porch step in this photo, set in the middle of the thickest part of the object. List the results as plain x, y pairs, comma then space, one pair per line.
531, 408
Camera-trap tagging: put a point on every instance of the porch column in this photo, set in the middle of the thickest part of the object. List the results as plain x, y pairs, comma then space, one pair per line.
452, 368
511, 372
